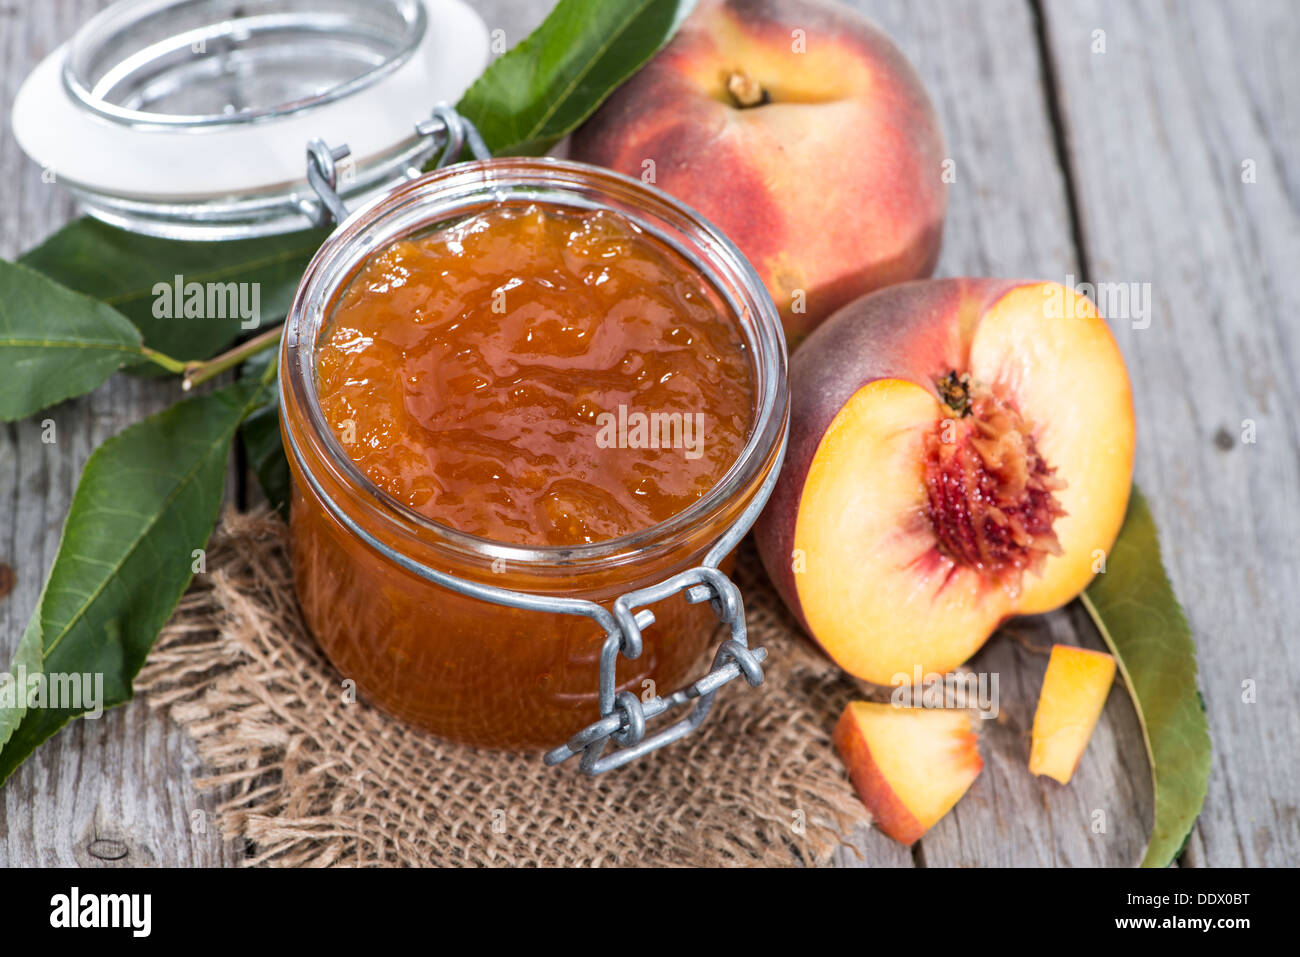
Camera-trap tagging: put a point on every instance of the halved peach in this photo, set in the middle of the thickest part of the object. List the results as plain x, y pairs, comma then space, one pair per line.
961, 451
909, 765
1075, 688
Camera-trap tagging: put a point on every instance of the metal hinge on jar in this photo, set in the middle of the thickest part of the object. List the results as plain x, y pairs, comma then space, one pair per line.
447, 130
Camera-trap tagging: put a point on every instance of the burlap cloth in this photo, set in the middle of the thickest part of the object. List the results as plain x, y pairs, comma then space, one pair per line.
307, 779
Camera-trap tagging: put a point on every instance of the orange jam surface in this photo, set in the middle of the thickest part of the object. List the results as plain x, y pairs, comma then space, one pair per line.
476, 374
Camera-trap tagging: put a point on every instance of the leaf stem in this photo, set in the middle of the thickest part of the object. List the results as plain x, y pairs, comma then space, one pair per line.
166, 361
200, 371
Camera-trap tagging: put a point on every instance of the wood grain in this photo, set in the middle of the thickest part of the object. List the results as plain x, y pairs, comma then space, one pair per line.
1122, 166
1159, 127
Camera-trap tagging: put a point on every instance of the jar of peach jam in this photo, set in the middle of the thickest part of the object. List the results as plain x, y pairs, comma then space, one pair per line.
563, 630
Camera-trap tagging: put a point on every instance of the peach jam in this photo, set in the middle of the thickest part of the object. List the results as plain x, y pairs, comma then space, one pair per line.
536, 376
524, 377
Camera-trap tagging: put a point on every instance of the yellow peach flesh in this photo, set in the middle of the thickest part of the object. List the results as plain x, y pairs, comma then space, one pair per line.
909, 765
873, 587
1062, 366
1074, 693
874, 591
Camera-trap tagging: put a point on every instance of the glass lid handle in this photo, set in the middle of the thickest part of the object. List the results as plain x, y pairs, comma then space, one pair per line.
448, 131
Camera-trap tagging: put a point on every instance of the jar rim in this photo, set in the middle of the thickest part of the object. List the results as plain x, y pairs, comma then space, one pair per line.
453, 192
101, 68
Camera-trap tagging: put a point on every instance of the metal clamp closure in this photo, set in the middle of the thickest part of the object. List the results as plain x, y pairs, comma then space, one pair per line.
623, 714
447, 131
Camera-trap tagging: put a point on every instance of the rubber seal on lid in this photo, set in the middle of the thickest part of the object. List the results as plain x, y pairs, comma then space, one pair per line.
190, 118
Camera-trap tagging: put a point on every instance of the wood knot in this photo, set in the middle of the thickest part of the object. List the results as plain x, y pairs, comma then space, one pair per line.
107, 849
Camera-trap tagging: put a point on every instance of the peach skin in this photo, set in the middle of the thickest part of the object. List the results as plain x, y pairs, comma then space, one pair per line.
799, 129
908, 765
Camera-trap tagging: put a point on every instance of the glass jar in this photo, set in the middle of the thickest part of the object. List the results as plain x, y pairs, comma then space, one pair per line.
464, 667
479, 641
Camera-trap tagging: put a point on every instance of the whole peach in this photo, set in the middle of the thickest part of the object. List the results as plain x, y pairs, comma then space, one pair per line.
798, 128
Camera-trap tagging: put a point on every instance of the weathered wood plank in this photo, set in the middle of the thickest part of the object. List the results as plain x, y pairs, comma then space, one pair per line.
1159, 127
123, 781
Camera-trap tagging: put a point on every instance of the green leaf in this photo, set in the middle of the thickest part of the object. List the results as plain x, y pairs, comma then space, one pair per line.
128, 271
1138, 615
54, 343
147, 500
261, 437
26, 661
545, 86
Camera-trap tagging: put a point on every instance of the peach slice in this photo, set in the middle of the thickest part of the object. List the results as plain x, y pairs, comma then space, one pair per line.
961, 451
1075, 688
909, 765
801, 130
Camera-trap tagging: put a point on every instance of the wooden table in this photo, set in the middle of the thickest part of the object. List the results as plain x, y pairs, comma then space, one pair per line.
1118, 141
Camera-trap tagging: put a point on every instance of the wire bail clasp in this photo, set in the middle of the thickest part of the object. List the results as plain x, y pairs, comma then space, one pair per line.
447, 131
624, 715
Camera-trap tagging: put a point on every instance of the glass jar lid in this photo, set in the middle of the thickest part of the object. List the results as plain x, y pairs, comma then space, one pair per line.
190, 118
